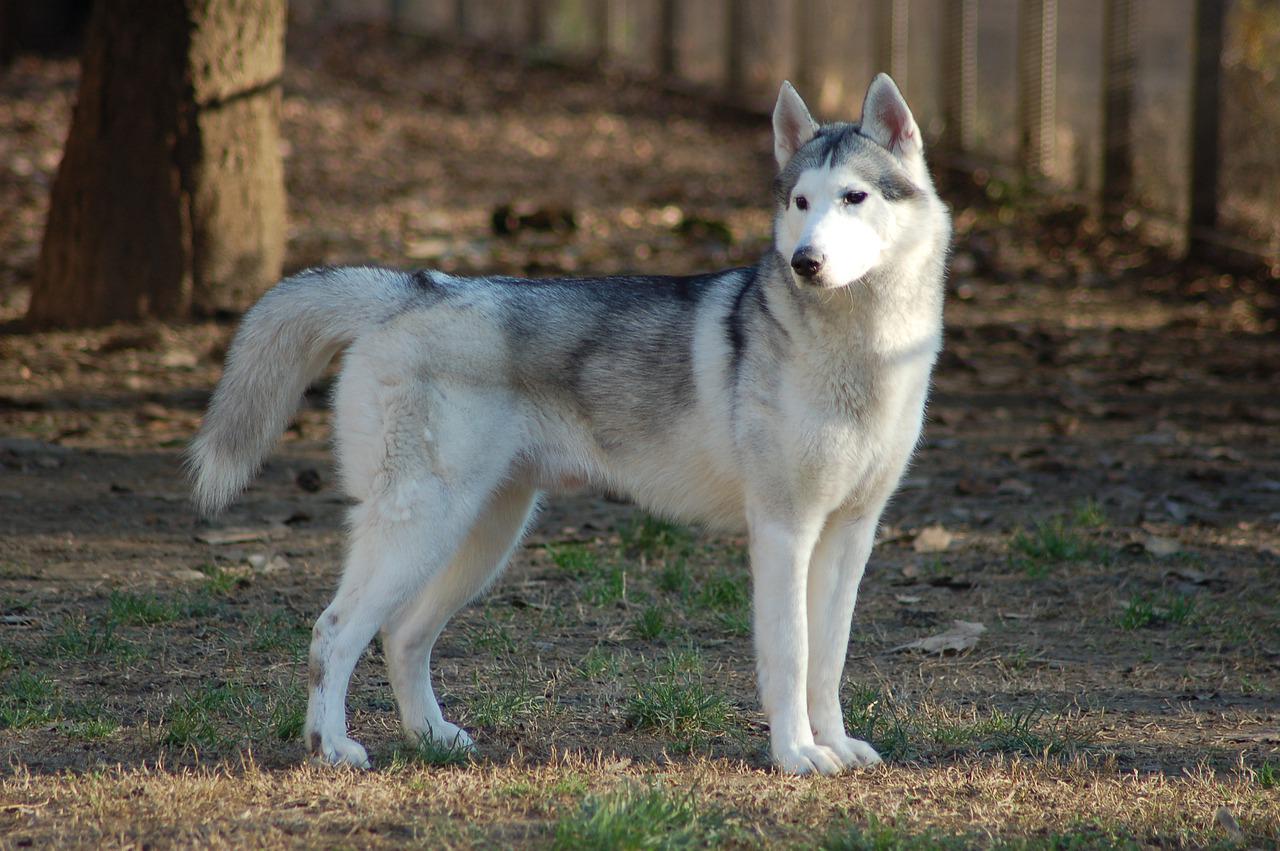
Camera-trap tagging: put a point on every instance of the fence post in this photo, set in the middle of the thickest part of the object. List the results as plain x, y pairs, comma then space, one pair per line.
666, 40
1119, 74
1037, 82
1206, 98
535, 23
959, 73
891, 39
735, 72
803, 40
600, 25
461, 25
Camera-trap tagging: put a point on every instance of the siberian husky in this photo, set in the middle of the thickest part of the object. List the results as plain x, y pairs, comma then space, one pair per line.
783, 399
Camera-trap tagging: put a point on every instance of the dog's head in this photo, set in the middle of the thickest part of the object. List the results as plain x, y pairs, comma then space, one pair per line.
841, 188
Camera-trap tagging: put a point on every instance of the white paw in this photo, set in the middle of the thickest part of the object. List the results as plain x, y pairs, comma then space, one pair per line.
340, 750
446, 735
806, 759
852, 753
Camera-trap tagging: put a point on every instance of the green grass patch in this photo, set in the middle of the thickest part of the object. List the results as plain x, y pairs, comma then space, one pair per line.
426, 751
1059, 540
80, 637
223, 716
1267, 775
492, 637
1089, 515
196, 718
902, 733
878, 835
1001, 732
92, 729
220, 582
142, 609
645, 535
869, 716
633, 817
724, 592
503, 703
652, 624
675, 578
609, 587
28, 700
1144, 611
577, 560
278, 631
599, 662
680, 706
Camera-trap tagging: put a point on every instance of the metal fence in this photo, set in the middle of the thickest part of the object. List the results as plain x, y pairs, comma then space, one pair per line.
1163, 112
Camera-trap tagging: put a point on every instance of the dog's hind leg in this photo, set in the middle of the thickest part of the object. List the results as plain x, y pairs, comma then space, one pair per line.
400, 538
408, 638
834, 575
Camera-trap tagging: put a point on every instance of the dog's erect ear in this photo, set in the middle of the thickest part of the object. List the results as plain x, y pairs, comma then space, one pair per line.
792, 125
887, 121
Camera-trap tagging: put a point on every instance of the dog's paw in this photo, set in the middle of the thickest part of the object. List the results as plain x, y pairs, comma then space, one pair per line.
852, 753
445, 735
807, 759
341, 751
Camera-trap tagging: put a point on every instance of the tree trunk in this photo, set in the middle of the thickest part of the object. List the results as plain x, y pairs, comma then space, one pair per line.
169, 201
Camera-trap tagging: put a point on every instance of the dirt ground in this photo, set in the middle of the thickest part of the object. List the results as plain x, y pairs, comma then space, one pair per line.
1099, 487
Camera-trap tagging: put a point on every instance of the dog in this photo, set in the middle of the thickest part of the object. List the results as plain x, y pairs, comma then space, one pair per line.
784, 400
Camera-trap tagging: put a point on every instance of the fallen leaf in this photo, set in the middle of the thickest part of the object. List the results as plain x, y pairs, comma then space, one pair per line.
907, 599
1017, 487
1188, 574
932, 539
1228, 823
1160, 547
961, 637
239, 534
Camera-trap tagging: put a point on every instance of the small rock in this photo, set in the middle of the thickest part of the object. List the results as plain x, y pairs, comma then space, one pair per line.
186, 574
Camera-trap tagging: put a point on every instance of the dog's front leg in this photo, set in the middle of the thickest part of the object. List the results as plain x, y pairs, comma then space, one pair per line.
839, 561
780, 554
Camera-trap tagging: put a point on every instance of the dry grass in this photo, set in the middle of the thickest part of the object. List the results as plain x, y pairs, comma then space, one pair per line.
977, 800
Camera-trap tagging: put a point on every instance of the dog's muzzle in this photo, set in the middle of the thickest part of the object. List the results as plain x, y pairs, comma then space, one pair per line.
807, 263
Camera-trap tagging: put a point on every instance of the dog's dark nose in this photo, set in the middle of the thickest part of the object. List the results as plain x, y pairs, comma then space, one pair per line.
807, 262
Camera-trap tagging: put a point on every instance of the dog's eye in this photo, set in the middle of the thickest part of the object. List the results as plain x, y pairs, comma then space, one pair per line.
802, 203
855, 197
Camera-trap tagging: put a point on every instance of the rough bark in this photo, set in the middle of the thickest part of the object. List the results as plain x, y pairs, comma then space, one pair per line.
169, 201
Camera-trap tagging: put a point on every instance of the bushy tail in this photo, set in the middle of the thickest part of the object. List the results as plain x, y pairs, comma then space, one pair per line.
284, 342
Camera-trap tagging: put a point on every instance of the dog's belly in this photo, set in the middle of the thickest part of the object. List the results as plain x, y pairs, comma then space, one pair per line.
677, 477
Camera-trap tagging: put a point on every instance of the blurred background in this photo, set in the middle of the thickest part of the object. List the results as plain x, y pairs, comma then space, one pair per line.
1149, 122
1096, 96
